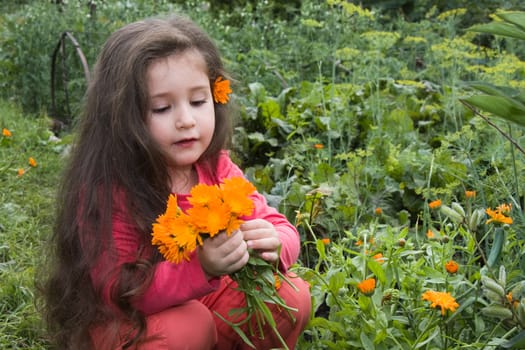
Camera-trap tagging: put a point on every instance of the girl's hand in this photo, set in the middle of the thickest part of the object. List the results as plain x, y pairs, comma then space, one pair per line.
260, 235
222, 255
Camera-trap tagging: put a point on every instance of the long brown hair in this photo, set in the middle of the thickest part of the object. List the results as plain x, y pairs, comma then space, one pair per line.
114, 154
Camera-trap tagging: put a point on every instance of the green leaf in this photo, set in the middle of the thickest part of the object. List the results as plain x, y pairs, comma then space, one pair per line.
503, 107
498, 28
516, 17
497, 246
517, 342
367, 343
495, 90
377, 270
334, 327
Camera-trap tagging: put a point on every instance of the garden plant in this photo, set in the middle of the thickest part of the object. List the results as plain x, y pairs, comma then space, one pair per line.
393, 140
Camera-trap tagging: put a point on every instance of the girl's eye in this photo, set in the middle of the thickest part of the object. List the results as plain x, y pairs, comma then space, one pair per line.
160, 109
197, 103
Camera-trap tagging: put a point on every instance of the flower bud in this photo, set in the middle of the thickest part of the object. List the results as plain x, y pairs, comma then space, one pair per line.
497, 311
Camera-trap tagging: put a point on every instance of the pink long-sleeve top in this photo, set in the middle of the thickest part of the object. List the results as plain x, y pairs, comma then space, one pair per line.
174, 284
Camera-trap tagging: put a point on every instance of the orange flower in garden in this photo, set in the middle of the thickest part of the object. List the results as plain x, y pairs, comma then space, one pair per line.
505, 208
221, 90
378, 211
430, 234
435, 204
441, 299
470, 194
6, 132
20, 172
500, 214
370, 241
515, 303
326, 240
379, 258
318, 146
367, 286
32, 162
451, 266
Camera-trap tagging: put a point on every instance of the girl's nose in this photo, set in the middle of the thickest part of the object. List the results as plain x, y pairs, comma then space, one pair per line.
184, 118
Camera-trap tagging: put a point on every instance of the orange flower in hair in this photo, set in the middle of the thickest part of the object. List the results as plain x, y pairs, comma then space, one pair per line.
221, 90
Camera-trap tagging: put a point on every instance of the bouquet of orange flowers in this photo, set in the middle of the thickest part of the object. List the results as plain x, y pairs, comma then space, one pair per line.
218, 209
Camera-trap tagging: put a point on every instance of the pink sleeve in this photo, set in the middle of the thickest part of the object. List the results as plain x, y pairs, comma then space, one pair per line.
171, 284
287, 232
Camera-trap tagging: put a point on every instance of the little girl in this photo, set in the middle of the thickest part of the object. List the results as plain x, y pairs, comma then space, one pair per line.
155, 122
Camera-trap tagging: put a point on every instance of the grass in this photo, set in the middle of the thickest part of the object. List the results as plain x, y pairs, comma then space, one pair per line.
26, 216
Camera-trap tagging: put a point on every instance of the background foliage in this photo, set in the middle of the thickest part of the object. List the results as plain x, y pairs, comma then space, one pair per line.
349, 120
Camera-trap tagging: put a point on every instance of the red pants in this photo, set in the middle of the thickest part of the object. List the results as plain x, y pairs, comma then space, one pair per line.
194, 325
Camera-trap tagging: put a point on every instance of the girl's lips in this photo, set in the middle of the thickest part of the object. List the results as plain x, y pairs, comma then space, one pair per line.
185, 142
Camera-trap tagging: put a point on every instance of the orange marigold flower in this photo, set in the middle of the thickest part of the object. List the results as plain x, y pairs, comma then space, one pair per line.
202, 195
378, 211
236, 192
318, 146
174, 233
211, 219
221, 90
326, 240
451, 266
277, 281
177, 233
379, 258
505, 208
369, 240
367, 287
20, 172
6, 132
32, 162
430, 234
443, 300
498, 216
470, 194
435, 204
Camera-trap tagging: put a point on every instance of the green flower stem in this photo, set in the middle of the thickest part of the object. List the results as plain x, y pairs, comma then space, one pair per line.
257, 281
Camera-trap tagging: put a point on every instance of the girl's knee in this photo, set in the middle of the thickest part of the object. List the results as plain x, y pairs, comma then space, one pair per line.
187, 326
299, 298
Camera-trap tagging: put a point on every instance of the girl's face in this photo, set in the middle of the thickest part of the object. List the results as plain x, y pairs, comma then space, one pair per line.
182, 115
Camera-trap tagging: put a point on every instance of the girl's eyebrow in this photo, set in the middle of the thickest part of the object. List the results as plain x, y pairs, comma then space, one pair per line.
192, 89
